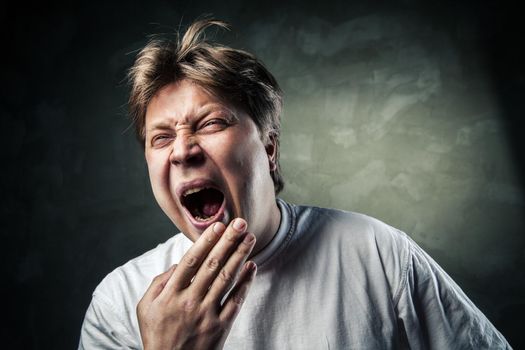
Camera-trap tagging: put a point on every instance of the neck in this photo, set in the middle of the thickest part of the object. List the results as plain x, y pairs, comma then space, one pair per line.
271, 230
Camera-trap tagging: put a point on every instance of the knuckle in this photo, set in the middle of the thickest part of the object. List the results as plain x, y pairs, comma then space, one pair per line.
144, 307
230, 236
212, 264
157, 282
190, 261
243, 249
226, 277
189, 304
238, 299
157, 279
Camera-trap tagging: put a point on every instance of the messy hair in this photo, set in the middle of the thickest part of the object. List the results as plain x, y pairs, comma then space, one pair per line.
234, 75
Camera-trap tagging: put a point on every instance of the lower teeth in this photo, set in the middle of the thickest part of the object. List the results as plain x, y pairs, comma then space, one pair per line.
200, 218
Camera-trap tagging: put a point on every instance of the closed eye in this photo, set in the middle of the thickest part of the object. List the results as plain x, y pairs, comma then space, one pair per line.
214, 124
161, 140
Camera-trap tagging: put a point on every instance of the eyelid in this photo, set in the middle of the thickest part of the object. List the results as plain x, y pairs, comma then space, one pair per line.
162, 137
220, 119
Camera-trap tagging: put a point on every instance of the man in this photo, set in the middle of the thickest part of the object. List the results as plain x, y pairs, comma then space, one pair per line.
208, 117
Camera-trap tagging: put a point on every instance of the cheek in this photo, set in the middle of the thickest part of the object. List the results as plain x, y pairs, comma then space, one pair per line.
240, 159
156, 169
250, 162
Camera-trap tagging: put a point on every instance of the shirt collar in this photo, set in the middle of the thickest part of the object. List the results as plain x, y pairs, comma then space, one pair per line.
285, 230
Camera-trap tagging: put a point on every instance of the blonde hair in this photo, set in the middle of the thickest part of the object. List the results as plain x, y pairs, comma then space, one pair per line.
235, 75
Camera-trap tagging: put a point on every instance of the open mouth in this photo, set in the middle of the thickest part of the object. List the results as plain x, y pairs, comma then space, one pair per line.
202, 203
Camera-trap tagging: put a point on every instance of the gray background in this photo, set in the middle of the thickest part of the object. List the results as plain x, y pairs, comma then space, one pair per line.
409, 111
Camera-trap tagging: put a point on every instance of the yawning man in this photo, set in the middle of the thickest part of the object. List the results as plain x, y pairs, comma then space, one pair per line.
208, 117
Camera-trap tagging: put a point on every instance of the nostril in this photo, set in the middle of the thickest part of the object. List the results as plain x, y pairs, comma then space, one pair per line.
187, 152
196, 158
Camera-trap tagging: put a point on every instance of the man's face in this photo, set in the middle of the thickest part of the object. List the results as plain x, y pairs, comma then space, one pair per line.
207, 162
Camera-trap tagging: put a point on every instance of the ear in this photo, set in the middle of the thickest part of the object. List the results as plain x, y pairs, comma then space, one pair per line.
271, 151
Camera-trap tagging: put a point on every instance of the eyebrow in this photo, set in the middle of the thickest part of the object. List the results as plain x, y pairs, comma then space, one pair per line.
163, 125
160, 126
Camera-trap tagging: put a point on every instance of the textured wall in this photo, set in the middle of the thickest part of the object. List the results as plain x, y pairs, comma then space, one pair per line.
406, 111
385, 115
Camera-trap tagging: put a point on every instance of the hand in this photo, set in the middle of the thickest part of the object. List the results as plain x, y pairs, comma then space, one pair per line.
182, 307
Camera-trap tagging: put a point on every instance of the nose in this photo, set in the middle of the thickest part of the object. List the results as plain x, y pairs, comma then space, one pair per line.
186, 151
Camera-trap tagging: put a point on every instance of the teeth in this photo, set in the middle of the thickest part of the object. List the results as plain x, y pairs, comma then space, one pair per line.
192, 190
199, 218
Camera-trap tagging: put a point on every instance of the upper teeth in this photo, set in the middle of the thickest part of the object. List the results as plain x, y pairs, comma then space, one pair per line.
192, 190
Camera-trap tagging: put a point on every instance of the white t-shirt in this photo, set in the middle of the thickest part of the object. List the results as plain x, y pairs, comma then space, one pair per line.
329, 279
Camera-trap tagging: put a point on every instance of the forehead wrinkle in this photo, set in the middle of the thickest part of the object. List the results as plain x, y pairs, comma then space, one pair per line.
192, 109
161, 125
169, 122
172, 122
216, 107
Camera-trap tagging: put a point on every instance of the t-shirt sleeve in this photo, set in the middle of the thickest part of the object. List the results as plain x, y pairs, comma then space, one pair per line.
434, 313
102, 328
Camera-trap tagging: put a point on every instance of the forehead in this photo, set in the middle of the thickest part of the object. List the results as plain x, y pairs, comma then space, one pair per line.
182, 100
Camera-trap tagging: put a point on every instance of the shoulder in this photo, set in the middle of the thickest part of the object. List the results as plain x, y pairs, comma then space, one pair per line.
128, 282
360, 231
365, 245
110, 320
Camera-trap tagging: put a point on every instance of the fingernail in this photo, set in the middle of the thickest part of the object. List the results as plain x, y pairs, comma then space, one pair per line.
239, 224
249, 238
218, 227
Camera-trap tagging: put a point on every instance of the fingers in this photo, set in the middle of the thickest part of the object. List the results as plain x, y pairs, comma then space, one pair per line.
233, 303
182, 307
192, 260
228, 247
228, 274
158, 284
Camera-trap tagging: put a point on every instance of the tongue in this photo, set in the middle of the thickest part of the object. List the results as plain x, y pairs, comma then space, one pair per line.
210, 208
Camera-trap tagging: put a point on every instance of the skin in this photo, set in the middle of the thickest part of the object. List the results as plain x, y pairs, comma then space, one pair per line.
193, 135
181, 309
